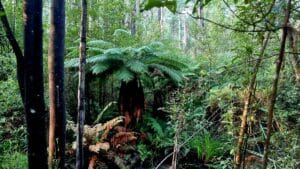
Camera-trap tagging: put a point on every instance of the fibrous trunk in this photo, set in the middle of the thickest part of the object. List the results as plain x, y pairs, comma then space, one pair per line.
131, 101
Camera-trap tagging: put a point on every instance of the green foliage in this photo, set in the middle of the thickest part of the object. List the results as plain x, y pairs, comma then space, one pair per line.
143, 152
208, 147
15, 160
170, 4
127, 63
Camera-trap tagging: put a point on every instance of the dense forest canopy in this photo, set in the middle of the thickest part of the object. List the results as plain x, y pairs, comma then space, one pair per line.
178, 84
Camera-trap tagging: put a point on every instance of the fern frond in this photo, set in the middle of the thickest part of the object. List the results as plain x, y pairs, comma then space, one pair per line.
174, 75
123, 74
154, 125
136, 66
100, 44
121, 32
72, 63
100, 67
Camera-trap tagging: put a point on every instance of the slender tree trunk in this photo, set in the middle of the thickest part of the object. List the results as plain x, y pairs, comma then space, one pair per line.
275, 85
134, 14
160, 16
293, 38
247, 103
57, 117
185, 33
200, 13
34, 85
175, 150
81, 87
16, 49
179, 32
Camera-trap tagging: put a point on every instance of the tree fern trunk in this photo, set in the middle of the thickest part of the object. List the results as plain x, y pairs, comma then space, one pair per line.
131, 101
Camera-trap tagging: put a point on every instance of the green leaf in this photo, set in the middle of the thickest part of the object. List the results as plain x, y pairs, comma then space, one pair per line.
2, 13
100, 67
72, 63
174, 75
123, 74
152, 3
100, 44
137, 66
170, 4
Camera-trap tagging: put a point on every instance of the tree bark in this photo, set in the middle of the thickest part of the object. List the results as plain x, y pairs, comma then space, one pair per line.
81, 87
135, 11
293, 39
16, 49
34, 85
247, 103
57, 117
275, 85
200, 13
131, 101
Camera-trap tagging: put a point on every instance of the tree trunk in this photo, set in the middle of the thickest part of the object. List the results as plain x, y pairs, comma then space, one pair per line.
293, 38
160, 17
133, 26
185, 33
200, 13
247, 104
275, 84
81, 87
131, 101
16, 49
34, 89
57, 116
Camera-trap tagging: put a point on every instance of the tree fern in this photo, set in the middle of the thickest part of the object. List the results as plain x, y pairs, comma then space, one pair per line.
137, 66
127, 63
174, 75
123, 74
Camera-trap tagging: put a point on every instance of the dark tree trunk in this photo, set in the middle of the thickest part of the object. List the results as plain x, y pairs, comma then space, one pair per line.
131, 101
16, 49
158, 101
81, 87
34, 85
57, 126
275, 84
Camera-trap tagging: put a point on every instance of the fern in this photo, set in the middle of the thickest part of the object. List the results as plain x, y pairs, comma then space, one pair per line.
123, 74
121, 32
127, 63
72, 63
100, 44
154, 125
174, 75
100, 67
137, 66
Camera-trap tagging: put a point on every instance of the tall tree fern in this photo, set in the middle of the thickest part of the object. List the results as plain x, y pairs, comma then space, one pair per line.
132, 65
